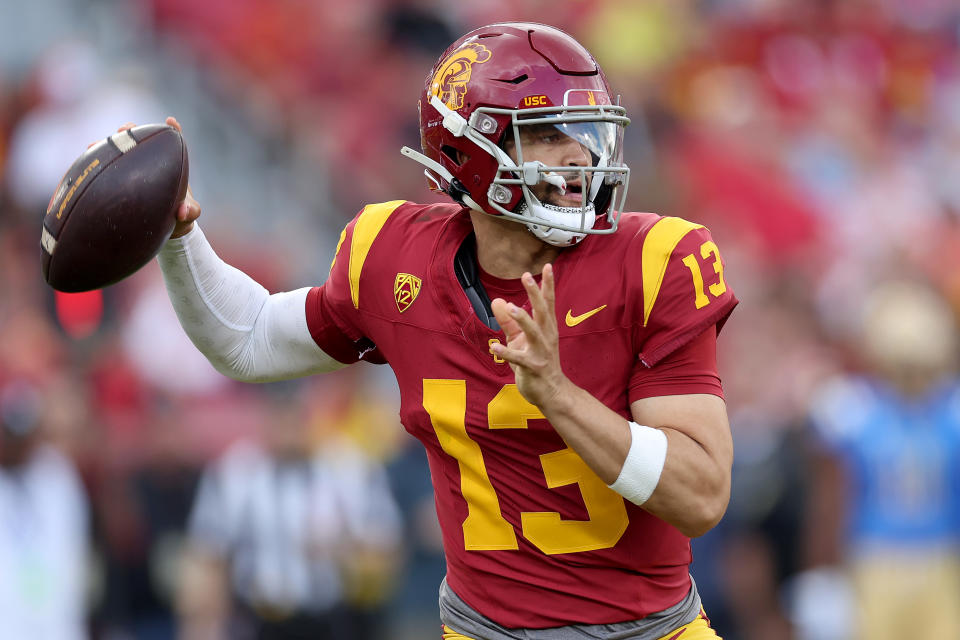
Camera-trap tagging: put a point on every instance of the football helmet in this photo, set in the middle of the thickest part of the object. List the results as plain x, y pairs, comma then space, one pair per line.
496, 87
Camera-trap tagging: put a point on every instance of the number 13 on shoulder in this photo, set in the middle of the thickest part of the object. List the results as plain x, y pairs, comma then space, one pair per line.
485, 528
707, 250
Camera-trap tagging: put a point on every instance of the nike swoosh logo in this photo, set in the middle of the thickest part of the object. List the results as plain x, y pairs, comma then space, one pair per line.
674, 637
573, 320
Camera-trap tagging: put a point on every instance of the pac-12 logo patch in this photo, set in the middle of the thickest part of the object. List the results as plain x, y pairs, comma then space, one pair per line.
405, 290
453, 74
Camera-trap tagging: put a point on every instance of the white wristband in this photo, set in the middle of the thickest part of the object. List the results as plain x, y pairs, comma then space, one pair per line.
641, 470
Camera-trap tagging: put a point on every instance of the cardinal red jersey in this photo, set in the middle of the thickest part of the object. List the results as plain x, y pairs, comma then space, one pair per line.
533, 538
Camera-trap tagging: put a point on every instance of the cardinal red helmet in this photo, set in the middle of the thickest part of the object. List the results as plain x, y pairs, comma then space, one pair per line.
486, 94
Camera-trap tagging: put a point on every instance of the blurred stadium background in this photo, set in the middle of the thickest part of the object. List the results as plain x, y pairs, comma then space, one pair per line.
820, 142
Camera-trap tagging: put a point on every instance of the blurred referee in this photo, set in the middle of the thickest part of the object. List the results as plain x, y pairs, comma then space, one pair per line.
282, 534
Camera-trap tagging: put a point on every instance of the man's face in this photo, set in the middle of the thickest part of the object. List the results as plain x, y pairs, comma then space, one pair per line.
547, 144
287, 432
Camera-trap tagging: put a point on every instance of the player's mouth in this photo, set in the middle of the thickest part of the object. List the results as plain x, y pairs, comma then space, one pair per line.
573, 197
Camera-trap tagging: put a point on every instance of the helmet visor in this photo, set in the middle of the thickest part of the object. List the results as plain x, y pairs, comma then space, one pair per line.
602, 139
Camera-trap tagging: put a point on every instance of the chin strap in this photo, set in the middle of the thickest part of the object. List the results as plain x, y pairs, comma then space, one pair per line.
540, 214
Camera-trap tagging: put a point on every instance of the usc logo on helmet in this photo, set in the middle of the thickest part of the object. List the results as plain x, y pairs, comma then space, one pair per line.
453, 74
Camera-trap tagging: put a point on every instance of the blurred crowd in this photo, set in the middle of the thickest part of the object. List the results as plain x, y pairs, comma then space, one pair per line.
144, 496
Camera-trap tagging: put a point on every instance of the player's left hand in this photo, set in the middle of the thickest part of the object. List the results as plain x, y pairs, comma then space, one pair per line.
532, 348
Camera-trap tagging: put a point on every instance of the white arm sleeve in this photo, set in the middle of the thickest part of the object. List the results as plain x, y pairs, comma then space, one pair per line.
245, 333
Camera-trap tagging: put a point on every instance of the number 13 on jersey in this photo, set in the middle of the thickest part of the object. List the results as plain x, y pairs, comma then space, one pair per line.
485, 528
708, 250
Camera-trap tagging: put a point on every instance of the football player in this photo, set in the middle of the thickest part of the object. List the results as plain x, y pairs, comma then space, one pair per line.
555, 356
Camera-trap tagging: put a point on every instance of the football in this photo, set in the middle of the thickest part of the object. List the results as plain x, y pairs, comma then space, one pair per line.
114, 208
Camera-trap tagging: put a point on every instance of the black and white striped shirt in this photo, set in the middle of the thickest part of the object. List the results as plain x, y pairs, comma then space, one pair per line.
284, 526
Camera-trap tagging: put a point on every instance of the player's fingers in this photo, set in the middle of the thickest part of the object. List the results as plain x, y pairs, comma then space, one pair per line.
189, 207
548, 290
541, 302
187, 213
501, 311
533, 292
189, 210
514, 356
532, 332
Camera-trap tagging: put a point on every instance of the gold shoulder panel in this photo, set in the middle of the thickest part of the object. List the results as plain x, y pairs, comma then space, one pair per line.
658, 246
343, 236
369, 224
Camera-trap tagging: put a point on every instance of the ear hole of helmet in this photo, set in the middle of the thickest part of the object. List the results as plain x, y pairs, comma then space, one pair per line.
458, 157
456, 190
507, 139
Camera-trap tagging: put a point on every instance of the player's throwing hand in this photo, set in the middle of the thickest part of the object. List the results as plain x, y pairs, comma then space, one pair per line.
189, 209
